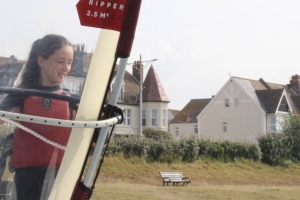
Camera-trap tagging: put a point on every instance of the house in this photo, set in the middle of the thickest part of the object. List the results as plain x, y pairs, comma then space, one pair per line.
185, 123
154, 105
245, 109
171, 114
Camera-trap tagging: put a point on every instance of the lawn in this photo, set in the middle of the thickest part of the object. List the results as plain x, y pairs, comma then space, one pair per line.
135, 179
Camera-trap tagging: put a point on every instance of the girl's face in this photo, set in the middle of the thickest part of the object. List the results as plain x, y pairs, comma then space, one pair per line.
56, 67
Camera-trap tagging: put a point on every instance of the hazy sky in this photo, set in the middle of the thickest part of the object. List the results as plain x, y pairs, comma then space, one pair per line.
198, 43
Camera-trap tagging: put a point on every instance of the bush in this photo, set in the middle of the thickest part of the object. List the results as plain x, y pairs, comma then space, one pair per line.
157, 134
169, 150
275, 148
190, 149
228, 150
240, 150
132, 145
163, 151
210, 149
284, 147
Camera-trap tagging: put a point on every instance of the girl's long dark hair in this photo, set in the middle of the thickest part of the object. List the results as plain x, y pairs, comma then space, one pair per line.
44, 47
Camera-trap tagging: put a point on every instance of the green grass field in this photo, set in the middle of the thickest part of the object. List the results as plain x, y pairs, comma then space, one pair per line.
135, 179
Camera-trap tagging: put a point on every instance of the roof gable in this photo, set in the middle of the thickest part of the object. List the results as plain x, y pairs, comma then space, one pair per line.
270, 99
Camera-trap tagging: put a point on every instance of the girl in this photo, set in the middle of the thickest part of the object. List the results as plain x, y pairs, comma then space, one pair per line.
35, 162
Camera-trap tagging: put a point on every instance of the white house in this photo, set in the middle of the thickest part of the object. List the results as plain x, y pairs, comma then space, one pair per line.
154, 106
245, 109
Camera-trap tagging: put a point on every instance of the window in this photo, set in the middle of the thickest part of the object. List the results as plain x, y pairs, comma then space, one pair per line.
127, 117
226, 103
177, 132
154, 117
144, 119
164, 118
224, 127
196, 129
236, 102
273, 124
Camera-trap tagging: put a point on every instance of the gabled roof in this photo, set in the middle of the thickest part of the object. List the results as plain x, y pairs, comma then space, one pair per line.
153, 90
267, 95
270, 99
190, 112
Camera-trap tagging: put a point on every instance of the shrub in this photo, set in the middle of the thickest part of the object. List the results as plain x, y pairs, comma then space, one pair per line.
157, 134
163, 151
132, 145
240, 150
275, 148
190, 149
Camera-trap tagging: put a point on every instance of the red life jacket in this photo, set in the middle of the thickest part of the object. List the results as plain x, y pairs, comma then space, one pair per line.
29, 151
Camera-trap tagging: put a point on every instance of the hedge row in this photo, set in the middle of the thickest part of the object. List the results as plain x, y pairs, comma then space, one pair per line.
159, 146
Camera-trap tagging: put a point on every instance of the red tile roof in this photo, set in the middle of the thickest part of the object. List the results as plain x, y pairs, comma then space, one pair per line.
152, 88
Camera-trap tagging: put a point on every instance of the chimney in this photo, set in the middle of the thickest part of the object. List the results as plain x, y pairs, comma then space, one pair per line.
184, 117
136, 67
13, 59
295, 83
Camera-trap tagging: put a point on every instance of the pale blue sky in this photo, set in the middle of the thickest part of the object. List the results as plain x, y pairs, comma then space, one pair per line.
198, 43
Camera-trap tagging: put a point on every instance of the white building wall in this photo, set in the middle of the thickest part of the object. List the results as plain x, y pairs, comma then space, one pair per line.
185, 129
133, 128
244, 118
135, 118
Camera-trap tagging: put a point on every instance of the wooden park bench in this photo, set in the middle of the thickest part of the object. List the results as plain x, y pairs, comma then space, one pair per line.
175, 178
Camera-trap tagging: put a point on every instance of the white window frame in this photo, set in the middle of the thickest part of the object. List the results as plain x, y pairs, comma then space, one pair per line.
196, 129
273, 124
154, 117
144, 117
224, 127
127, 117
226, 103
177, 132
